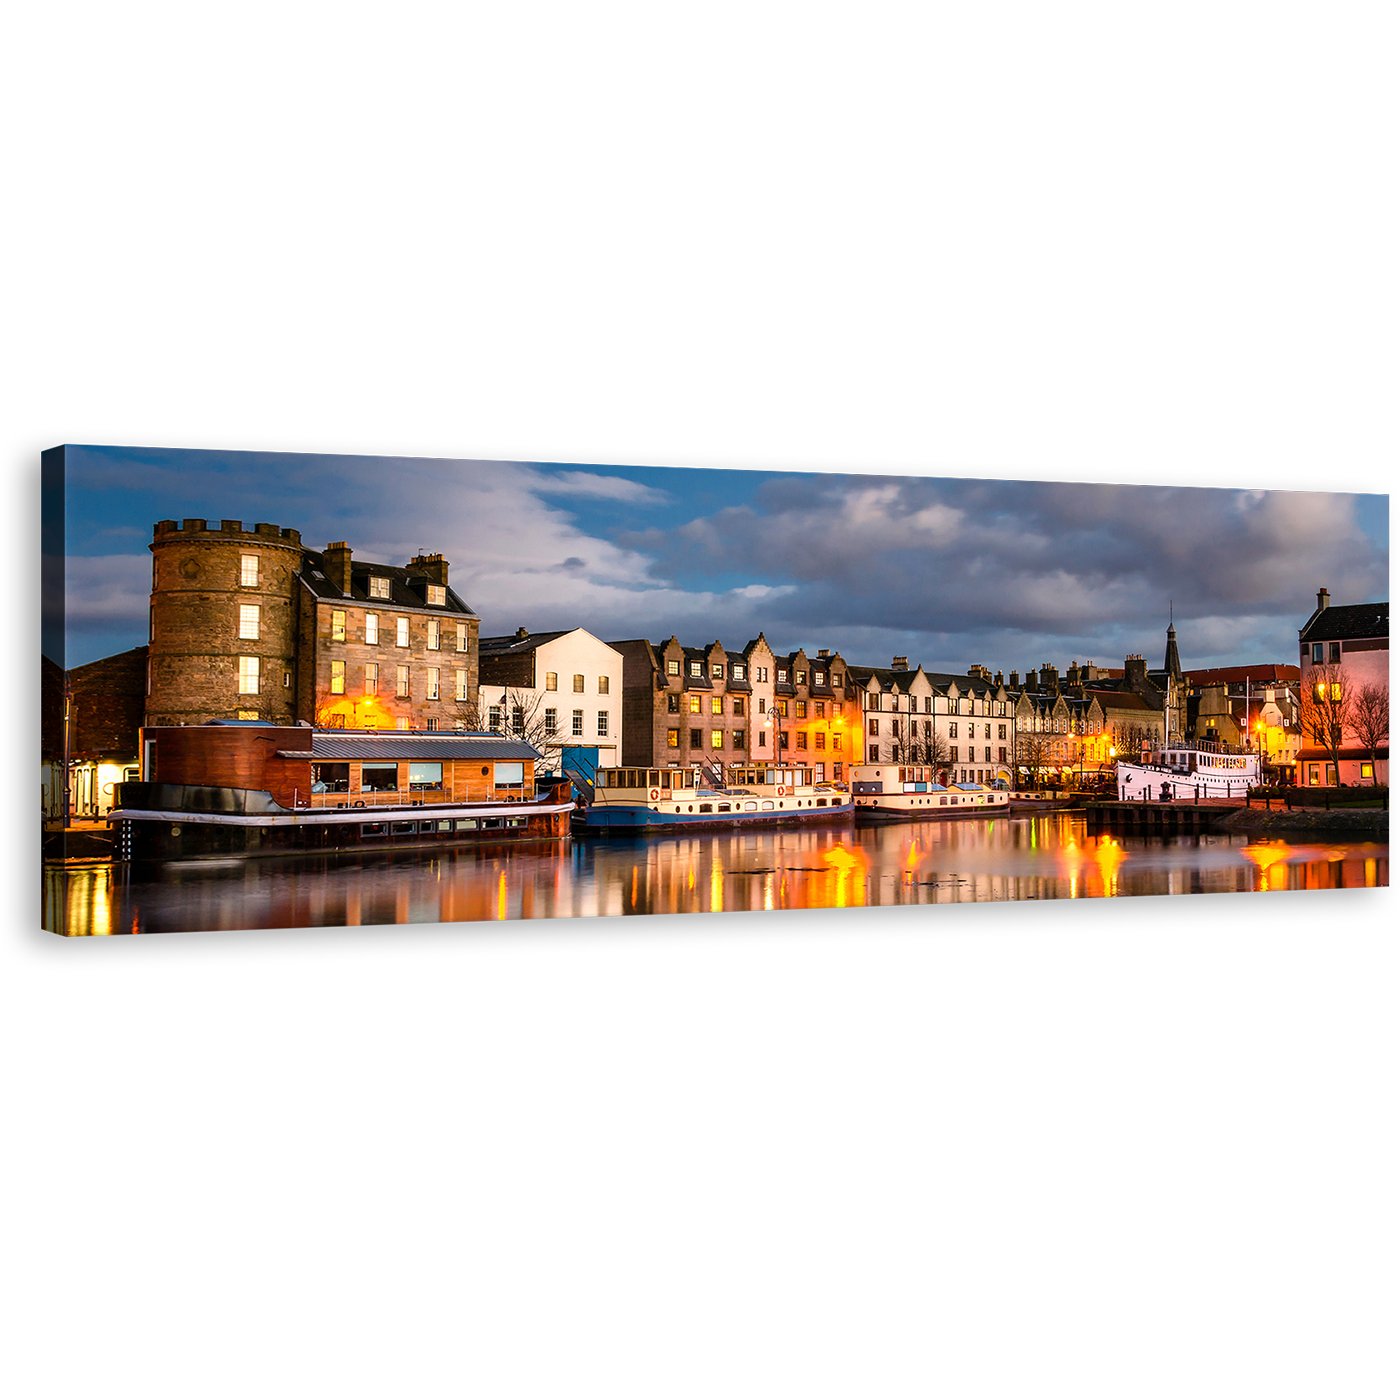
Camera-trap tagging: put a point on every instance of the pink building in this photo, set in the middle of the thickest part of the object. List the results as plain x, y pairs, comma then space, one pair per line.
1355, 637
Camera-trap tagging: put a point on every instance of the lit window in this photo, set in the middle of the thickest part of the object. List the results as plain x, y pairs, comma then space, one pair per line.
782, 707
286, 679
401, 631
576, 725
602, 724
695, 669
337, 626
738, 671
434, 634
460, 690
1367, 771
602, 685
551, 680
249, 615
818, 677
578, 685
1336, 690
434, 677
673, 668
372, 629
437, 595
461, 636
401, 722
694, 704
337, 678
801, 709
248, 675
716, 704
247, 714
551, 721
801, 678
248, 570
716, 738
371, 678
378, 587
716, 670
782, 673
402, 685
673, 738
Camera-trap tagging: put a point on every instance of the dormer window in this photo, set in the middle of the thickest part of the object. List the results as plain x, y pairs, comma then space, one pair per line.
802, 678
437, 595
378, 587
673, 668
782, 675
695, 669
738, 671
716, 670
818, 677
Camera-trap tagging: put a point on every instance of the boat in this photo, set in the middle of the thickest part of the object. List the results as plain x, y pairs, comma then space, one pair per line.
177, 821
885, 792
1200, 770
671, 799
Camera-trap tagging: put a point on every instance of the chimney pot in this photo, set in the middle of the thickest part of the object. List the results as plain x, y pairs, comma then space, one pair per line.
1323, 598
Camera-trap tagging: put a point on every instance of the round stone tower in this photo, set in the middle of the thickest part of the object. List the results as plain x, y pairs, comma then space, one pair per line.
223, 622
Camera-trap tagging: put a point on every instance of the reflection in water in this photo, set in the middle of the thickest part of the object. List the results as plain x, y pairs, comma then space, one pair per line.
1049, 857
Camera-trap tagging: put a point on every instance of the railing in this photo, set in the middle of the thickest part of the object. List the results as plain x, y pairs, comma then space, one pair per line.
430, 797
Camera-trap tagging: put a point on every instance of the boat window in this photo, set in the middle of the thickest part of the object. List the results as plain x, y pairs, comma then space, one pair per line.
330, 777
510, 775
707, 806
379, 777
465, 824
491, 822
429, 827
653, 778
767, 806
516, 821
725, 807
373, 828
424, 776
404, 828
821, 802
750, 806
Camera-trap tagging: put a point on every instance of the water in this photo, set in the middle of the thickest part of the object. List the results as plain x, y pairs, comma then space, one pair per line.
949, 862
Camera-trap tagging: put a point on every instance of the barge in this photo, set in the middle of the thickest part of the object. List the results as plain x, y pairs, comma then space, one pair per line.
1198, 771
633, 799
885, 792
231, 790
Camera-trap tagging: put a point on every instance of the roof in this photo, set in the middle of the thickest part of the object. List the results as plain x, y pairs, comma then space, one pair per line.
405, 585
514, 645
1350, 620
1121, 700
405, 745
1266, 673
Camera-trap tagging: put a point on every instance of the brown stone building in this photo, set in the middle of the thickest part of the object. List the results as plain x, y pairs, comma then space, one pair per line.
249, 624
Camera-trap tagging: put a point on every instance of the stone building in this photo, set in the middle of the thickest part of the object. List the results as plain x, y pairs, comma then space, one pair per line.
106, 705
250, 624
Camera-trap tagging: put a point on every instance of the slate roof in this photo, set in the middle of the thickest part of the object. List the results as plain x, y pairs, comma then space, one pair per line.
406, 586
1267, 674
517, 646
1121, 700
1350, 620
405, 745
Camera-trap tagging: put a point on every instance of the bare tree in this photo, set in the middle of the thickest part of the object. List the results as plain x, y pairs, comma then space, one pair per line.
1033, 752
1370, 720
1327, 712
516, 714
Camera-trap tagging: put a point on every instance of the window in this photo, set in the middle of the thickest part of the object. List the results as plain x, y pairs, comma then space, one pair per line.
371, 678
801, 709
716, 738
434, 634
762, 705
1334, 653
578, 685
673, 668
763, 738
337, 678
460, 689
717, 704
988, 731
493, 719
402, 686
337, 626
1336, 690
1367, 771
517, 720
248, 570
423, 776
783, 739
551, 680
378, 587
673, 738
437, 595
372, 629
781, 707
987, 756
821, 709
379, 777
602, 685
821, 740
673, 704
836, 743
953, 754
953, 730
551, 721
602, 724
695, 738
249, 617
874, 727
286, 679
762, 673
434, 678
576, 727
739, 705
1001, 755
739, 736
401, 631
874, 755
801, 738
510, 775
253, 714
1001, 731
818, 677
738, 670
248, 675
782, 674
694, 704
716, 670
461, 636
695, 669
801, 678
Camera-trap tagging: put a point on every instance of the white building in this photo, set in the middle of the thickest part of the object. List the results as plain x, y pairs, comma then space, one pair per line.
559, 689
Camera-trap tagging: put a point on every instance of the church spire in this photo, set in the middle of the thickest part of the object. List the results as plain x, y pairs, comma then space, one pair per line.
1172, 665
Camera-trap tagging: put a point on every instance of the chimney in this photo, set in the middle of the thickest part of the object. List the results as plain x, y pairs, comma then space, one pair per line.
434, 565
1049, 677
337, 558
900, 663
824, 652
1323, 598
999, 680
1015, 681
521, 634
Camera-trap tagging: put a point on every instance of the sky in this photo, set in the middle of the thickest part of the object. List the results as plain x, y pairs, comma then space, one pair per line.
946, 571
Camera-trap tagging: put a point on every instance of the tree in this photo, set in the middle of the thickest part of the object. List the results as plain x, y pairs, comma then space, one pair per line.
1327, 711
517, 714
1370, 720
1033, 752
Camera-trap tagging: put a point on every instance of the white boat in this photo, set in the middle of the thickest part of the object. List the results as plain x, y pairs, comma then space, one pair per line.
1177, 771
885, 792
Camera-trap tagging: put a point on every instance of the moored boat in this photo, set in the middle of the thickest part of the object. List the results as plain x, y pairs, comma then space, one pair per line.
677, 798
888, 792
1202, 770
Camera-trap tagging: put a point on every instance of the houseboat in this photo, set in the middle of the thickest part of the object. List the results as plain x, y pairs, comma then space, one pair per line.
887, 792
628, 799
1200, 770
240, 789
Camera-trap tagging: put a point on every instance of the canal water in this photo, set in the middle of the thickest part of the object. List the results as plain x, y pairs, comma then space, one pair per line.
1045, 857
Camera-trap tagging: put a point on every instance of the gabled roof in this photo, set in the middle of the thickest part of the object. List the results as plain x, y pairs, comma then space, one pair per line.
1121, 700
514, 645
1267, 673
1348, 621
405, 585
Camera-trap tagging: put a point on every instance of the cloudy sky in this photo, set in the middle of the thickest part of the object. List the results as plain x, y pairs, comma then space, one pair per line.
946, 571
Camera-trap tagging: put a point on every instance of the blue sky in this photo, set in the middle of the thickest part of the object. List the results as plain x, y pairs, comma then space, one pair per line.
947, 571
